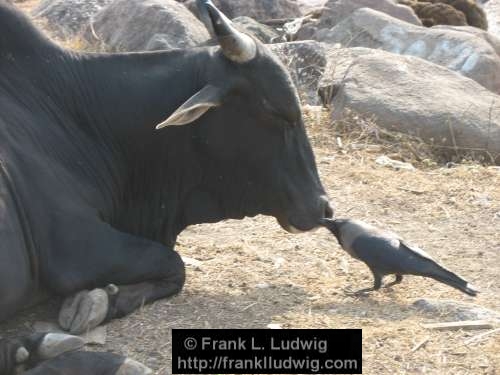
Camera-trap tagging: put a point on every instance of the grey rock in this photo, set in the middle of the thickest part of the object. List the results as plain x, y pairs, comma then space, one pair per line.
262, 32
307, 32
455, 310
414, 96
308, 5
257, 9
492, 9
67, 18
306, 61
470, 53
138, 25
491, 39
160, 42
338, 10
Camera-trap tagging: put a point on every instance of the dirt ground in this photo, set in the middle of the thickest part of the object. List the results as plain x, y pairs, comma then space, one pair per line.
253, 273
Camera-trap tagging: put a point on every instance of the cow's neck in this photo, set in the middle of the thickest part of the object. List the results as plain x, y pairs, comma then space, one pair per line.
127, 95
162, 175
154, 179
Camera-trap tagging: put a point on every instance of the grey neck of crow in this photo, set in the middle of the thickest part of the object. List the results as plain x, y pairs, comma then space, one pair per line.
333, 225
147, 182
347, 231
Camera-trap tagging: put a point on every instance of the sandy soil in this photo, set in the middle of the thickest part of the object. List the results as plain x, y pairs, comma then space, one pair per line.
254, 273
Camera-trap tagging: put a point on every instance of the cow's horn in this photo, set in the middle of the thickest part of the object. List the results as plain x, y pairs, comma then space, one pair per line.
235, 45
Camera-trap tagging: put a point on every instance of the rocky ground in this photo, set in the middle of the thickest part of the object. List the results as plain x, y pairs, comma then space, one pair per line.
252, 273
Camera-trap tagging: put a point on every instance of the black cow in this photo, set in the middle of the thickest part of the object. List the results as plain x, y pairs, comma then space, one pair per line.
92, 194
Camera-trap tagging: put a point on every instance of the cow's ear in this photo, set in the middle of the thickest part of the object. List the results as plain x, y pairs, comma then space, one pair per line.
196, 106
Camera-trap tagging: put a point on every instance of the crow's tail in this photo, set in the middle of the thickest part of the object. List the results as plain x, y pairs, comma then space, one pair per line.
441, 274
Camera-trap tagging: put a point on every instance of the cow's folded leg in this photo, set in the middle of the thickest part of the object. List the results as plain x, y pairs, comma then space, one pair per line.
131, 297
88, 309
92, 254
87, 363
12, 354
43, 346
33, 349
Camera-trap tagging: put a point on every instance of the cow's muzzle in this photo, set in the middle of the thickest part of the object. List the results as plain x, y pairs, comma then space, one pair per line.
304, 220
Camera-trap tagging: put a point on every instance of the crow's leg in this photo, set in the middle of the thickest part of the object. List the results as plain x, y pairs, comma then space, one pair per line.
396, 281
377, 283
377, 280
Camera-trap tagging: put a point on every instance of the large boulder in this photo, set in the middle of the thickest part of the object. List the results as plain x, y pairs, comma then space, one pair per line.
492, 9
464, 51
139, 25
262, 32
306, 61
308, 5
491, 39
67, 18
338, 10
257, 9
411, 95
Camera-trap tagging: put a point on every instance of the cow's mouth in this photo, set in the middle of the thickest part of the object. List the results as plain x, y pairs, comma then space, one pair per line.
299, 222
285, 224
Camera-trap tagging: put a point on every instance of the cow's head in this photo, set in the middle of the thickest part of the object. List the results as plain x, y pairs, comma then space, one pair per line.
250, 135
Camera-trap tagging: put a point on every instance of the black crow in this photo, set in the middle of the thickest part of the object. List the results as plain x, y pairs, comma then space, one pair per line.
387, 254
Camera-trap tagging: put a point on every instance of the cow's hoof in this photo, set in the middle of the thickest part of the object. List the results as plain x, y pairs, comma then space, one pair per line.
84, 311
131, 367
112, 290
22, 355
12, 354
55, 344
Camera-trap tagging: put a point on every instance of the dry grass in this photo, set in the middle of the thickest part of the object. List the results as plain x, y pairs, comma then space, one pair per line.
356, 132
454, 213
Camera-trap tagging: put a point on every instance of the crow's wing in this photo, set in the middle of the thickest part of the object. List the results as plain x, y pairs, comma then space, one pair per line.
416, 250
389, 255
